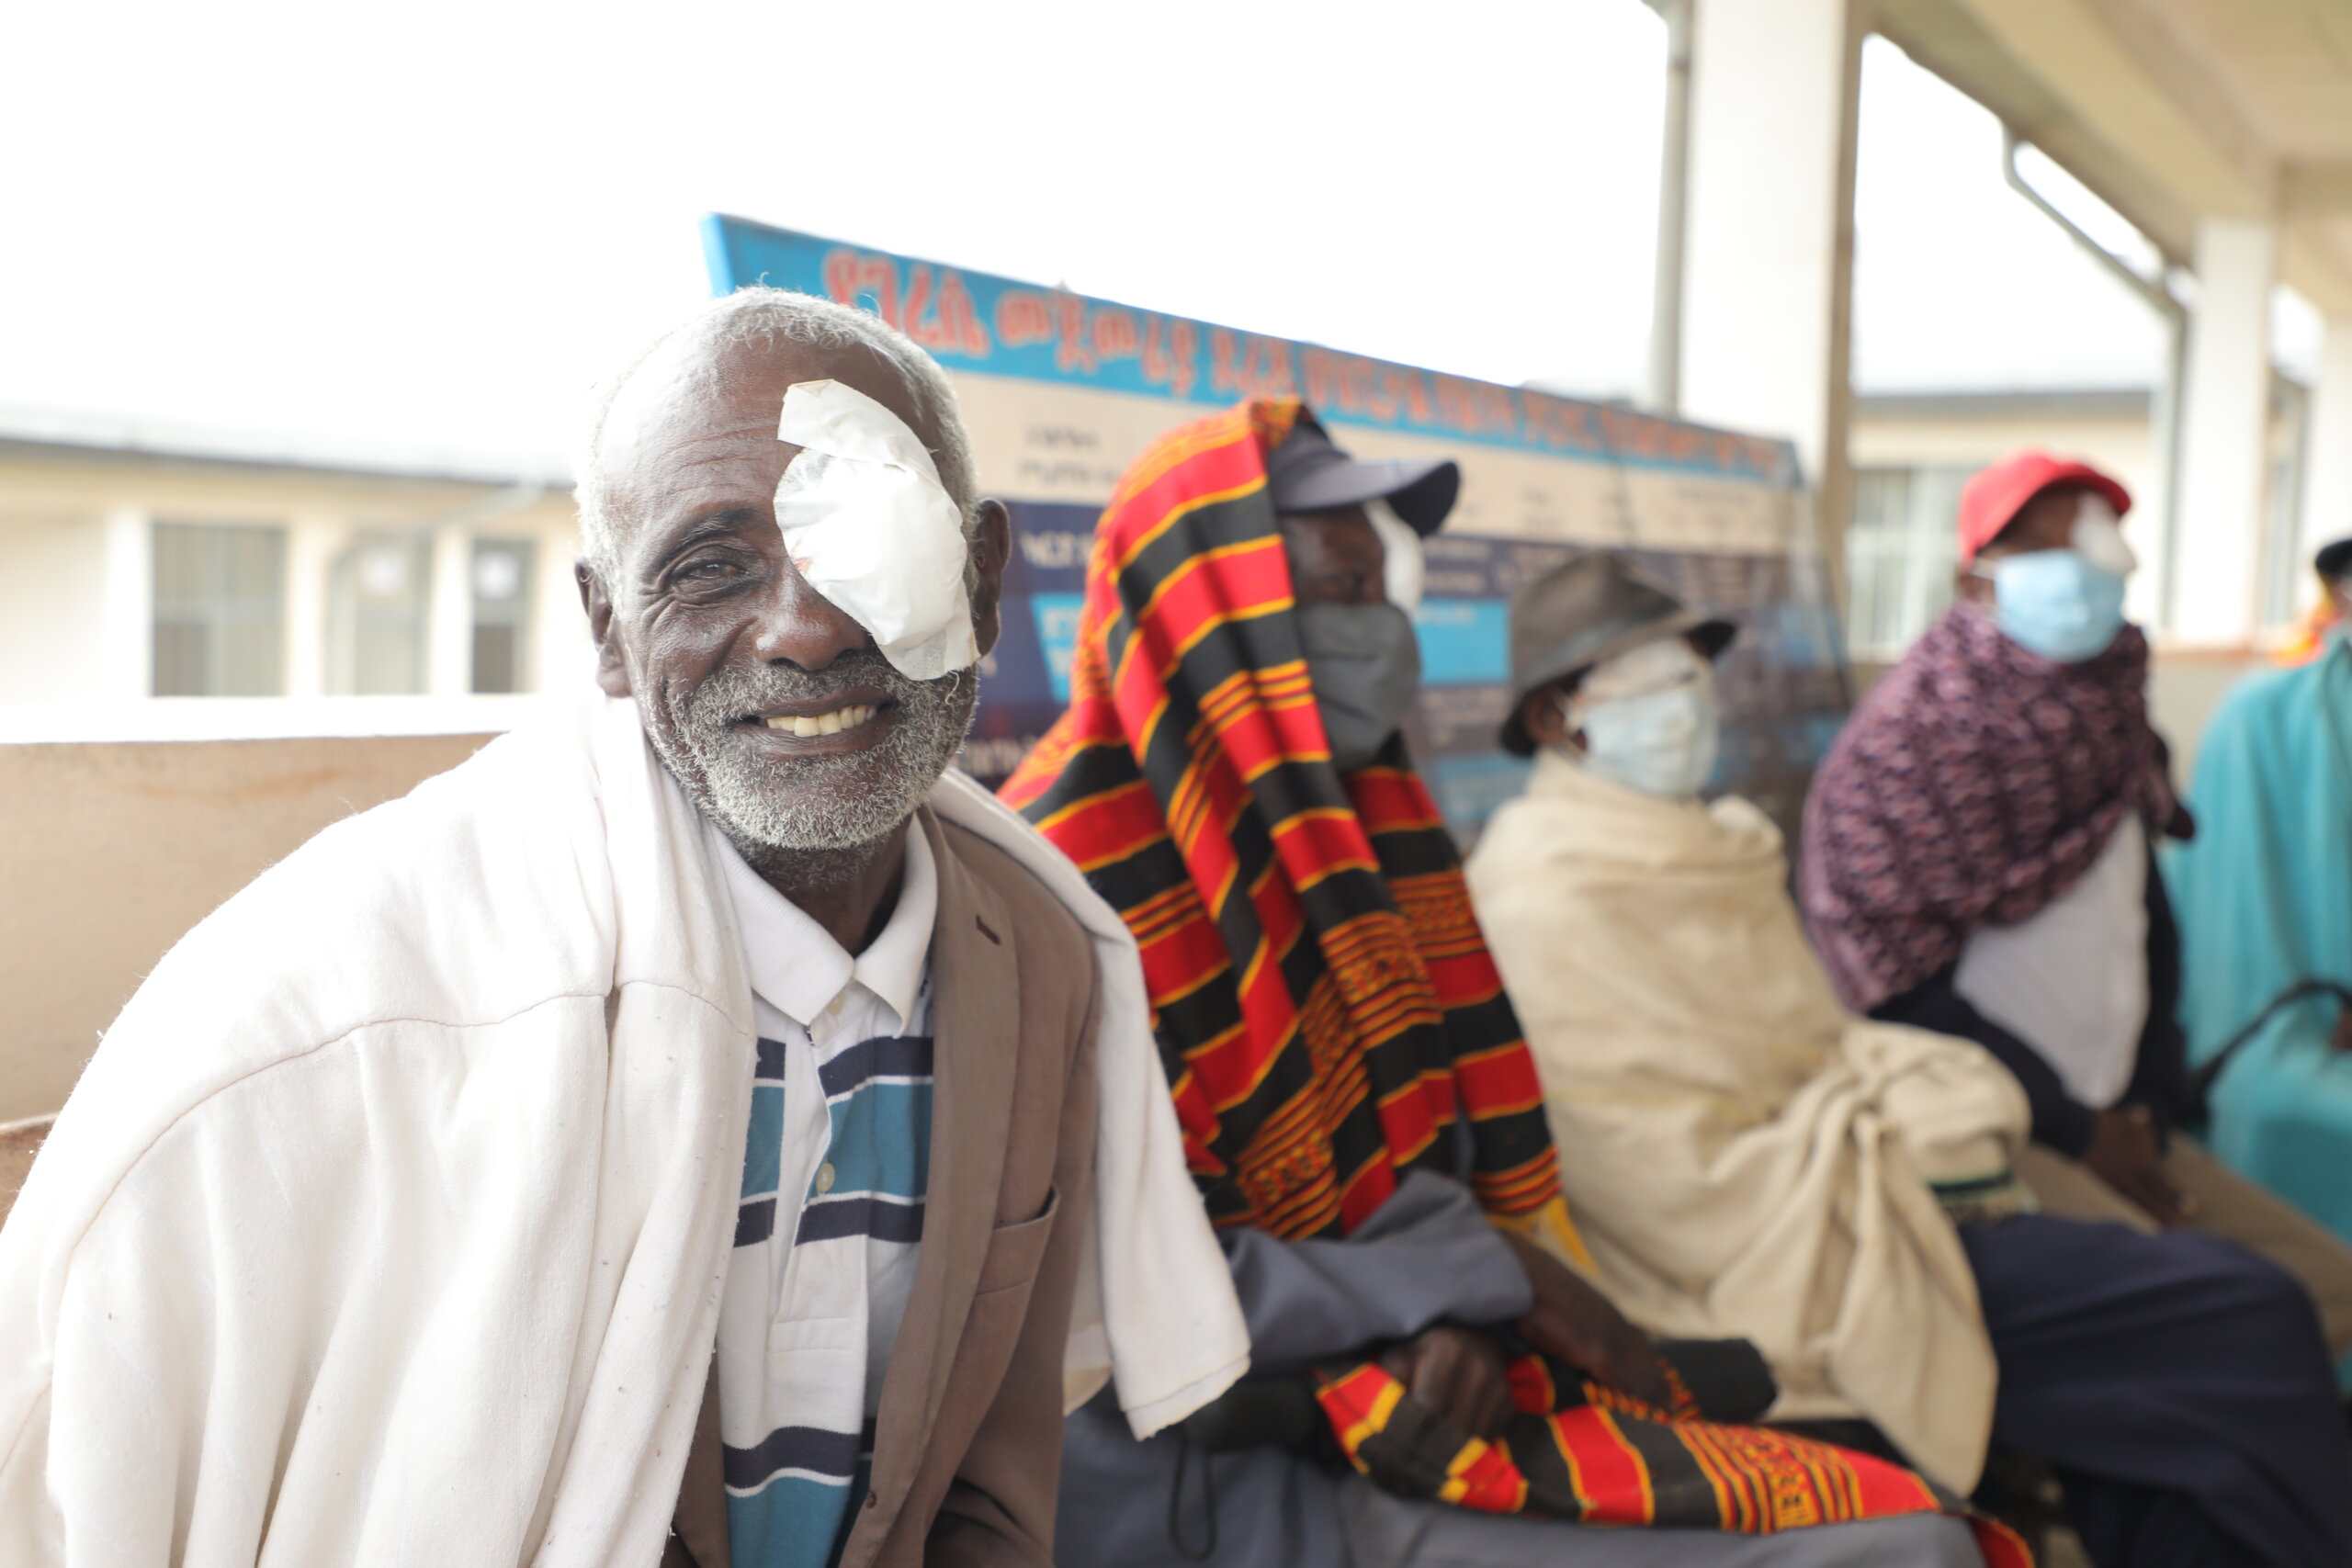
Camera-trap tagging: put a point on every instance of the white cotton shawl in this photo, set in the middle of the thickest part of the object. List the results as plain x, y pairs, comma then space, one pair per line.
389, 1223
1744, 1158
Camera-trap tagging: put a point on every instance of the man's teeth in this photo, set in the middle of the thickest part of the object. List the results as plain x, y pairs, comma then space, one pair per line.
823, 723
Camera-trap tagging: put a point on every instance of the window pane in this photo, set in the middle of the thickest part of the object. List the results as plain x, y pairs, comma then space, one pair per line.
502, 593
181, 669
1899, 557
494, 659
378, 592
220, 613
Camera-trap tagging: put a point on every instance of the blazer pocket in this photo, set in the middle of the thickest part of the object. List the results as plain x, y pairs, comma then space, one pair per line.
1015, 1250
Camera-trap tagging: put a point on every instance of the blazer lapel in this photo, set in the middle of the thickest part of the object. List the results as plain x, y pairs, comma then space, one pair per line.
976, 1015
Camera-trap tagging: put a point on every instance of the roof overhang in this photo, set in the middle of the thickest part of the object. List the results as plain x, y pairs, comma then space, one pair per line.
2172, 111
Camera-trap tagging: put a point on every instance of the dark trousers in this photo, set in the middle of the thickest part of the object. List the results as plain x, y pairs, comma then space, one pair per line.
2178, 1384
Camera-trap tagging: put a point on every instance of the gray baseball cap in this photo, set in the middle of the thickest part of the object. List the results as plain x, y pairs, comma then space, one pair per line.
1308, 473
1582, 612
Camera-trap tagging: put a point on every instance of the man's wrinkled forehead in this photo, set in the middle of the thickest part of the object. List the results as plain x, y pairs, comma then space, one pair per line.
695, 424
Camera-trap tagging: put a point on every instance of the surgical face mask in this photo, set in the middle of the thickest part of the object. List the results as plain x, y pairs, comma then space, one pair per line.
1649, 719
2067, 605
1365, 664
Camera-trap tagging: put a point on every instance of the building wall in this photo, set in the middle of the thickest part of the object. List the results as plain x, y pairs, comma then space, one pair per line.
110, 852
52, 605
75, 532
2120, 445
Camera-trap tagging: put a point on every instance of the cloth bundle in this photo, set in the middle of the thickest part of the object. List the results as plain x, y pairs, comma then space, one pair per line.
1975, 785
1749, 1158
1575, 1450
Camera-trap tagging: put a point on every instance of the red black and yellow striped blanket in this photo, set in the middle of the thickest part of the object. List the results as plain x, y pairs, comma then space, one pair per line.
1577, 1451
1323, 997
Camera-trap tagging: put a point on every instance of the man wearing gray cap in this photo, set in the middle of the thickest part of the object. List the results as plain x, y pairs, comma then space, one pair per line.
1357, 1100
1748, 1157
1353, 530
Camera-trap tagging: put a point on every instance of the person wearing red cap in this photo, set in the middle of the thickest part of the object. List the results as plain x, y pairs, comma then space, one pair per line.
1978, 861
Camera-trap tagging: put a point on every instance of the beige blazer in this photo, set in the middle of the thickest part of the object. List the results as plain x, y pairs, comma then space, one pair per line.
967, 1443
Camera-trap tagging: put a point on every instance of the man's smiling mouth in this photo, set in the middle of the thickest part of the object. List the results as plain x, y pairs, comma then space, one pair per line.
833, 723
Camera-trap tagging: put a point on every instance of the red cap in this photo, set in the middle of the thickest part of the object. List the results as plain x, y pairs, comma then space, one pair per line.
1995, 496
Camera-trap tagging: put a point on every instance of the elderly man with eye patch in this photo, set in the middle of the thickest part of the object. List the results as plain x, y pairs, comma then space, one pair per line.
703, 1129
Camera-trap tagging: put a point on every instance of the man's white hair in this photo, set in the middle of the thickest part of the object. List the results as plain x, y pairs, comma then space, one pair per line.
767, 318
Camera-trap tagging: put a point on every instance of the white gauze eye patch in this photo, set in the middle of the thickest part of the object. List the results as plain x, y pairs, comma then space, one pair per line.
868, 523
2098, 536
1406, 569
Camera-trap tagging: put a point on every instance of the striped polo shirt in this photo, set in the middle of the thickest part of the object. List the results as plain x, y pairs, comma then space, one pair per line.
829, 1224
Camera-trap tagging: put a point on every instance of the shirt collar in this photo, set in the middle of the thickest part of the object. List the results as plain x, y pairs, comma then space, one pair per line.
796, 966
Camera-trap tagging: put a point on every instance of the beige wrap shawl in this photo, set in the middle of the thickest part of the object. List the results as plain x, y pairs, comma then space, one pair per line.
1743, 1156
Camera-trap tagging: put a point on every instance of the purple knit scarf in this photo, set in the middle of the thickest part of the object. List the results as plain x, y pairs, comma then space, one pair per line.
1973, 785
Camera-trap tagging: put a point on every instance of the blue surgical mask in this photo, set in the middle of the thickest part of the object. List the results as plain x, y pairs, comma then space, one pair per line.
1662, 743
2058, 603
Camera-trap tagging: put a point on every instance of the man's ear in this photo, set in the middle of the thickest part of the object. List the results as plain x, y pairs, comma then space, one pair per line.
991, 550
1540, 715
612, 672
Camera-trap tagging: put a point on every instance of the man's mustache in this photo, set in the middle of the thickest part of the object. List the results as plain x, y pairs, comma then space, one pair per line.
737, 691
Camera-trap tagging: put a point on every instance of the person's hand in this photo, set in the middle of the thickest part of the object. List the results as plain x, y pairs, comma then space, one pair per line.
1574, 1323
2125, 1153
1458, 1373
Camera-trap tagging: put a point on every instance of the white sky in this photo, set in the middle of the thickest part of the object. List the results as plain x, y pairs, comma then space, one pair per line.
430, 227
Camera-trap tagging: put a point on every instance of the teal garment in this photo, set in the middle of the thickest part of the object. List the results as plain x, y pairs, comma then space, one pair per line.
2264, 899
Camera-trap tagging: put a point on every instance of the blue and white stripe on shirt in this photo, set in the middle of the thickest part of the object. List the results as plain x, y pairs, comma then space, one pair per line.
829, 1224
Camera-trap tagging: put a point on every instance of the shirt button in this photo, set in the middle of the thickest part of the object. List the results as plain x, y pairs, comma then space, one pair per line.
872, 1501
825, 1177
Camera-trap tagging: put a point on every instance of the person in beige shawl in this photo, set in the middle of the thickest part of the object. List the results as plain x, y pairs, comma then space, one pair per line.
1746, 1158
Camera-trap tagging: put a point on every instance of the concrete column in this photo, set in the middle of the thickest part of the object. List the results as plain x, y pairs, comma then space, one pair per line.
2327, 455
2224, 436
1665, 392
1768, 273
312, 543
449, 613
127, 601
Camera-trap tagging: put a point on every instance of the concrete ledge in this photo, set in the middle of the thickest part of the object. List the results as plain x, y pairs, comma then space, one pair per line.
261, 718
110, 850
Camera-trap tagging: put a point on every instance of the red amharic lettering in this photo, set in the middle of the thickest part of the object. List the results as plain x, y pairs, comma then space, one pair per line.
1070, 350
946, 323
1023, 316
1341, 383
1364, 388
1168, 355
849, 274
1475, 408
1561, 424
1633, 435
1112, 333
1246, 364
1410, 389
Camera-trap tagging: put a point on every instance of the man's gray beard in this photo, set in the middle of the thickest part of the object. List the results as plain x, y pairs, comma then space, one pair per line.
818, 812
